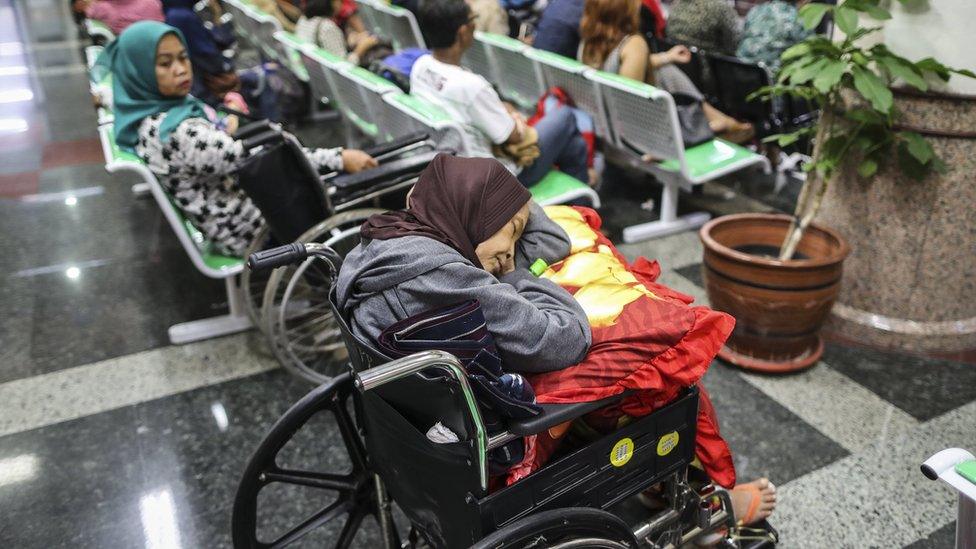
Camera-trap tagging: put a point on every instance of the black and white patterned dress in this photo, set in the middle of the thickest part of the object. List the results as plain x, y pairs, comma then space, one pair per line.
197, 167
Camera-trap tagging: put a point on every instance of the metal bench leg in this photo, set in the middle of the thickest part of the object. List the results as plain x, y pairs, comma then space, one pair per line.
235, 321
670, 222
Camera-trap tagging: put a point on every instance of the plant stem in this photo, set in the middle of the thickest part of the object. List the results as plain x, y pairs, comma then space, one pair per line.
803, 206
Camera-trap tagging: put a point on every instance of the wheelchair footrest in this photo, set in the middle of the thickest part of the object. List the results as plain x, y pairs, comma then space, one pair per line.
606, 471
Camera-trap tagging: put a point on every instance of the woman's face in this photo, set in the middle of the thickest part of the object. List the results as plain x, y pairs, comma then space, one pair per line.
174, 75
497, 254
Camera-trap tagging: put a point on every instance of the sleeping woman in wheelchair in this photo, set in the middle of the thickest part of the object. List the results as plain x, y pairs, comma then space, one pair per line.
194, 154
471, 231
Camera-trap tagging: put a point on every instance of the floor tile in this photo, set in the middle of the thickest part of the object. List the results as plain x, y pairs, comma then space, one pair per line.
693, 272
66, 394
766, 439
160, 471
923, 387
878, 497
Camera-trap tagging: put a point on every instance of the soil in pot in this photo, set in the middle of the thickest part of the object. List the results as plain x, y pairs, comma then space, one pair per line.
779, 306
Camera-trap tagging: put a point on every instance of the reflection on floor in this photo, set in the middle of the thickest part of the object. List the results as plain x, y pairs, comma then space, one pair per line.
109, 437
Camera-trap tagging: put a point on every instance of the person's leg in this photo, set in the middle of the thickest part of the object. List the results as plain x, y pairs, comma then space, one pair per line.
557, 130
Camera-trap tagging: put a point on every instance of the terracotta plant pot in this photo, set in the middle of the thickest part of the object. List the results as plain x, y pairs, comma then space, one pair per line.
779, 306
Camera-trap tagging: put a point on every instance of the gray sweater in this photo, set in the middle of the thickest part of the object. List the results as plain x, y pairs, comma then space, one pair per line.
537, 325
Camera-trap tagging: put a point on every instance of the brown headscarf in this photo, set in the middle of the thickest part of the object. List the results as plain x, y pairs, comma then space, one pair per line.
460, 202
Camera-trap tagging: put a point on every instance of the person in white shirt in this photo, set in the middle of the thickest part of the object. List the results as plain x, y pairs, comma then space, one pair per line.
448, 28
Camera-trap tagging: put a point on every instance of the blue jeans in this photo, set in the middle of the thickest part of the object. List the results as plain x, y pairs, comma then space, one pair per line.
560, 143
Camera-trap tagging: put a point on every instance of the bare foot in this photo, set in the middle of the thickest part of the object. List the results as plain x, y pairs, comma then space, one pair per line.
753, 501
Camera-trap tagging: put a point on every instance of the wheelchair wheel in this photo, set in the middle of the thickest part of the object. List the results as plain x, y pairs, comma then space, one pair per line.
357, 493
570, 528
302, 333
254, 283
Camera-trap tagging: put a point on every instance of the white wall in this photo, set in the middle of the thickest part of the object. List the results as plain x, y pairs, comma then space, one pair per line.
943, 29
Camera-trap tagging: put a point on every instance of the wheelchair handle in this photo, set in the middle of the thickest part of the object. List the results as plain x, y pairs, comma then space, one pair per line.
276, 257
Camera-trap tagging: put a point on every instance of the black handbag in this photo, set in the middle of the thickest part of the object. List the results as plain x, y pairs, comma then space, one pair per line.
691, 119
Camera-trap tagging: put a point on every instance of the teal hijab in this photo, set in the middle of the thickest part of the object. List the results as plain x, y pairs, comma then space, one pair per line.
131, 60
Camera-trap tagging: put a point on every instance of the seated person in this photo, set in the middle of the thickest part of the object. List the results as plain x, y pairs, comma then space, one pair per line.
489, 16
316, 26
119, 14
194, 159
610, 42
448, 27
558, 28
470, 232
285, 12
770, 29
710, 25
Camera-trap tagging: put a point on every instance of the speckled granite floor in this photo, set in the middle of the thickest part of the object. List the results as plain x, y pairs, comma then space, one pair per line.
109, 437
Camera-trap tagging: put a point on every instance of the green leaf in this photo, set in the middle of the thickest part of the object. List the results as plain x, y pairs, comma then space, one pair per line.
812, 14
829, 76
806, 73
964, 72
918, 147
846, 19
867, 168
795, 50
873, 89
867, 116
931, 65
906, 72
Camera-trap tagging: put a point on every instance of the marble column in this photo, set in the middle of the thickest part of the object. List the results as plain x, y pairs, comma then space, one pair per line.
910, 281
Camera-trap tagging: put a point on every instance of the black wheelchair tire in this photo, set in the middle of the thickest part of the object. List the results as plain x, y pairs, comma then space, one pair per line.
357, 491
566, 528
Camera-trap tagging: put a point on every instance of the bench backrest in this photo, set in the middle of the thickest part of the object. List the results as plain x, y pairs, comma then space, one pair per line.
477, 60
445, 131
517, 76
399, 25
319, 65
368, 100
264, 27
644, 118
396, 122
288, 46
196, 246
570, 75
366, 9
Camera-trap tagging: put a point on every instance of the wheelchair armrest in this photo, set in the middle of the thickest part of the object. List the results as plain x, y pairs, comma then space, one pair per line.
399, 143
261, 139
390, 171
253, 128
554, 414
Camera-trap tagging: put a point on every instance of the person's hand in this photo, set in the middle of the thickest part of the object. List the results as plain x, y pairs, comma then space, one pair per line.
365, 44
679, 54
356, 161
231, 123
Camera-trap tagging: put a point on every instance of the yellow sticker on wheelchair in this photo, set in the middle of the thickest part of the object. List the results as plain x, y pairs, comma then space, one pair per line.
667, 443
621, 453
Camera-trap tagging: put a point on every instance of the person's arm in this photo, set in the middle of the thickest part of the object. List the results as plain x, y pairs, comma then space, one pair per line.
634, 58
542, 239
537, 325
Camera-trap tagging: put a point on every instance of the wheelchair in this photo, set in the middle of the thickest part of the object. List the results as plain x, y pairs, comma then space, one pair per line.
439, 495
289, 305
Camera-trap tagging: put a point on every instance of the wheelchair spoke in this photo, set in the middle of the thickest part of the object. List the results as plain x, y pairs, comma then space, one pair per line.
324, 515
349, 530
339, 483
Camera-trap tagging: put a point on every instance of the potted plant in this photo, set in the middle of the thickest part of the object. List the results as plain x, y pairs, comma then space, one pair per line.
777, 274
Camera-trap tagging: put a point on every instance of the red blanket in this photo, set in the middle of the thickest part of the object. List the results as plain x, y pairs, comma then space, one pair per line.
646, 337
